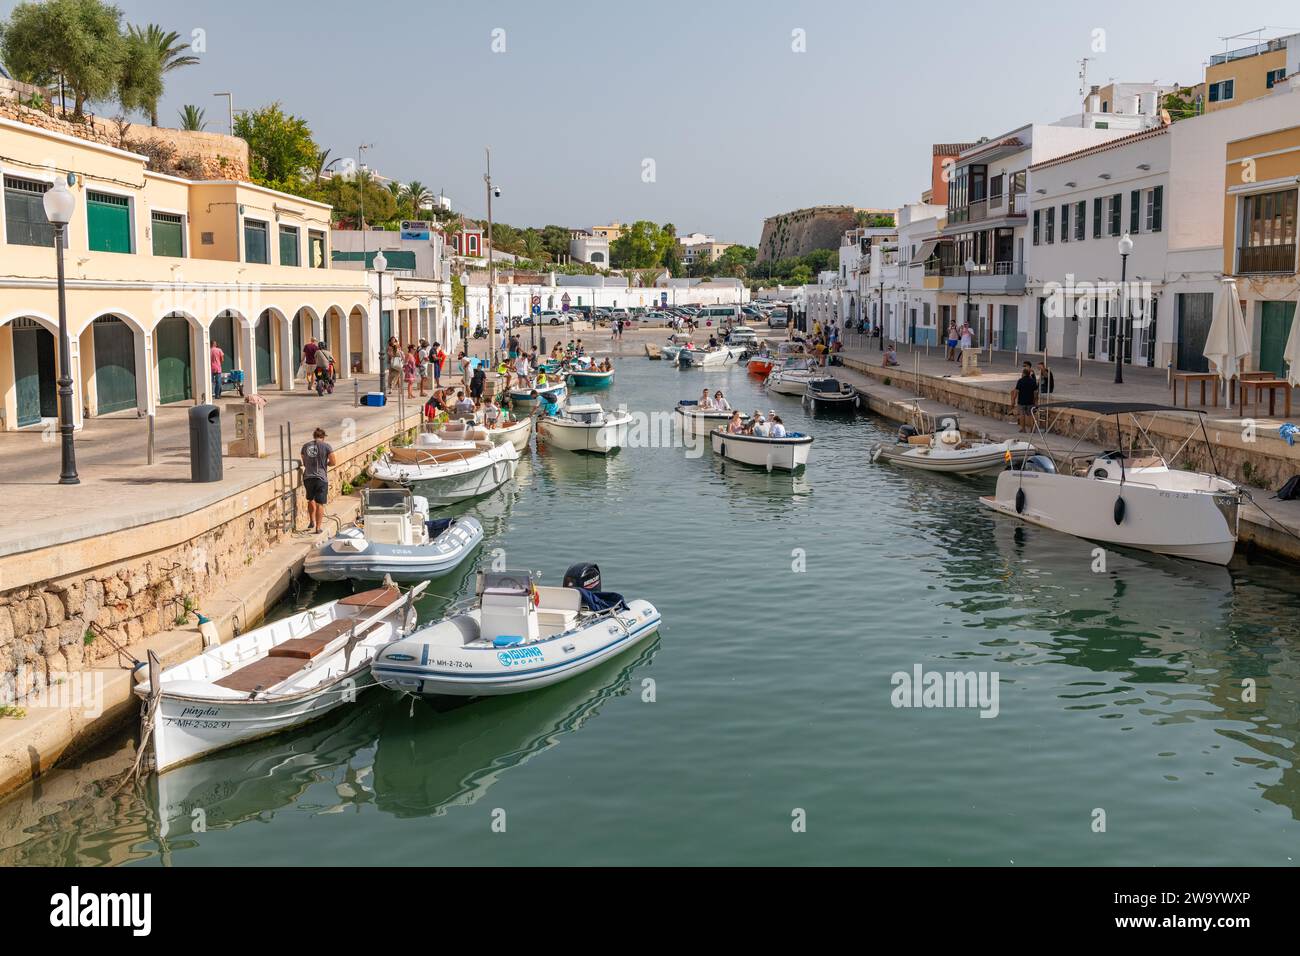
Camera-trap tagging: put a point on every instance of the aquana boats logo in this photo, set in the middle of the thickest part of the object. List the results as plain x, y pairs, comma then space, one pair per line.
519, 655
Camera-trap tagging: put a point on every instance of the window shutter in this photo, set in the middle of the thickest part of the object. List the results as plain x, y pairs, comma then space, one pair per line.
1065, 222
1157, 208
1135, 211
1096, 218
1037, 216
1116, 211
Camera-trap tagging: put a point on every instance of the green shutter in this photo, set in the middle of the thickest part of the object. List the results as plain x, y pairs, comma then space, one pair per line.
1274, 326
168, 235
34, 381
1157, 208
108, 220
1135, 210
222, 335
255, 242
288, 246
265, 365
25, 222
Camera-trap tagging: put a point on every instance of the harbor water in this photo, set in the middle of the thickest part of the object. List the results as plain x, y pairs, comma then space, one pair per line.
1147, 711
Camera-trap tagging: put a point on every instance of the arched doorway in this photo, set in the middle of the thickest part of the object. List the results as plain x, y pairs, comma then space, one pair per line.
222, 334
115, 369
35, 374
173, 349
264, 349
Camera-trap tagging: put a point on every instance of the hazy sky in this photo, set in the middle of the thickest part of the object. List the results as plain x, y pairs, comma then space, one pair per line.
739, 126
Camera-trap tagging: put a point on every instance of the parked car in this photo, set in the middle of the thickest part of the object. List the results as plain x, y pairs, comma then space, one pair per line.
778, 319
551, 317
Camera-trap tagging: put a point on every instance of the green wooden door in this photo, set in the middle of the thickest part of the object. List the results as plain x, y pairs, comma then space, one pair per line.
1010, 328
222, 334
265, 365
175, 374
1274, 327
34, 375
1195, 313
297, 340
108, 221
114, 365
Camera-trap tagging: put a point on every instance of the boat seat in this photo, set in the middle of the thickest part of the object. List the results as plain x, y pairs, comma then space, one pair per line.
375, 598
309, 645
264, 673
558, 599
559, 620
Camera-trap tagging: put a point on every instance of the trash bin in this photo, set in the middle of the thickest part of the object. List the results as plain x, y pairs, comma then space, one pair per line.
205, 443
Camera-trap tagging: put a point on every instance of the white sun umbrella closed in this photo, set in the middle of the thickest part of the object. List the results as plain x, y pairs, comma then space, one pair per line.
1291, 354
1227, 342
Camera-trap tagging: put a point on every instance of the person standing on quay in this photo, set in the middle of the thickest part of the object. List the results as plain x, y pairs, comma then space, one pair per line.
217, 356
439, 356
317, 457
395, 364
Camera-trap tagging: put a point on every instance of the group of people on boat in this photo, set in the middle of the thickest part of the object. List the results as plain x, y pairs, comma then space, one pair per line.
757, 425
444, 404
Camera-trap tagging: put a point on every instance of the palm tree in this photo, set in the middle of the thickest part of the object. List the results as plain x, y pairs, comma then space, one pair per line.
321, 163
418, 196
192, 118
170, 51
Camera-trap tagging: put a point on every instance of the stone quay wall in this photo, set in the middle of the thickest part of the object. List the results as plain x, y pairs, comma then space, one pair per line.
134, 583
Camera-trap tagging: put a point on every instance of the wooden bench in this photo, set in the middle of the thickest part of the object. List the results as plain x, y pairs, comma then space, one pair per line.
289, 657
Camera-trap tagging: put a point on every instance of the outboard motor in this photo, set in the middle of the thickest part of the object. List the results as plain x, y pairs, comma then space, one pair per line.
905, 432
1041, 463
584, 575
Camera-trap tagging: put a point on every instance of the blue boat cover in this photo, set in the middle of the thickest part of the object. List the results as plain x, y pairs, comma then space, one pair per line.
437, 526
507, 640
601, 600
689, 401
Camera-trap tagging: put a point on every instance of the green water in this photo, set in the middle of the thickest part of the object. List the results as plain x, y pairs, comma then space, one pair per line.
1120, 692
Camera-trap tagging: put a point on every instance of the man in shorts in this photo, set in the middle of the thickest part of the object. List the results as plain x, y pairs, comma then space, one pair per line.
1025, 395
317, 457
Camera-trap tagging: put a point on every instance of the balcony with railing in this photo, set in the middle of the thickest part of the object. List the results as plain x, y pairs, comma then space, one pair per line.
1001, 277
1278, 259
993, 207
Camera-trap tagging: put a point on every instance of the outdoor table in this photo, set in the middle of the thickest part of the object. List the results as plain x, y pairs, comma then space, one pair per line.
1245, 377
1202, 377
1259, 385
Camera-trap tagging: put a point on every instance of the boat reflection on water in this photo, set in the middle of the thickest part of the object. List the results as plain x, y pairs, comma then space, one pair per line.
750, 481
557, 466
1162, 640
433, 758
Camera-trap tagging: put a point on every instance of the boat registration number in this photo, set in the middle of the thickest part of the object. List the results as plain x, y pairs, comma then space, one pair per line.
192, 724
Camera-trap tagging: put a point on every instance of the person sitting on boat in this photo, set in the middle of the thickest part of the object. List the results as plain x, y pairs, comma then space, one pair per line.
607, 365
541, 379
705, 403
735, 424
491, 414
758, 425
891, 357
464, 405
713, 341
777, 429
720, 403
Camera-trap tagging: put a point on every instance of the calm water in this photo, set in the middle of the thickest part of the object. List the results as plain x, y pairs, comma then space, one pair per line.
1119, 691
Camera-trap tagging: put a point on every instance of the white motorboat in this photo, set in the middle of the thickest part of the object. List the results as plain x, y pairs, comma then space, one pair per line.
446, 475
1127, 499
395, 538
585, 427
273, 678
708, 358
830, 394
517, 636
669, 353
792, 378
945, 449
515, 432
700, 421
789, 453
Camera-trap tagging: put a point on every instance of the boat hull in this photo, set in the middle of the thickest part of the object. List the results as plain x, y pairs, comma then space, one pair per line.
773, 454
516, 434
761, 367
589, 379
787, 384
557, 394
1201, 526
447, 484
696, 422
599, 438
434, 671
335, 561
923, 458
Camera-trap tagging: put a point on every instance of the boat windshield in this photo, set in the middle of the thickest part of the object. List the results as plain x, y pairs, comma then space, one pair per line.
505, 582
385, 501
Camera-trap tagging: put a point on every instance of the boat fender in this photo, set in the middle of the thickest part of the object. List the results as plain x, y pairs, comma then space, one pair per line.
875, 454
1119, 510
1020, 501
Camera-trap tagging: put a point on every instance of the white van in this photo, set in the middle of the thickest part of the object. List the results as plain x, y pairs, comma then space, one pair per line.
718, 315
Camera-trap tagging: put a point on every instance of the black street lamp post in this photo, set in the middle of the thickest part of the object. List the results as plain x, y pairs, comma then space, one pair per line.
1125, 248
381, 264
59, 205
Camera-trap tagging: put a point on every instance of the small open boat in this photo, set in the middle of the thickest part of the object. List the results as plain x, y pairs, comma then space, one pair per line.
700, 421
395, 538
784, 454
517, 636
585, 427
760, 364
708, 358
556, 391
275, 677
792, 378
830, 394
935, 443
586, 378
653, 352
447, 475
516, 432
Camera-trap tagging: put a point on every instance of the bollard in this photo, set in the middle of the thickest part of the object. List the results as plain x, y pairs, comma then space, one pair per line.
151, 445
356, 392
1080, 365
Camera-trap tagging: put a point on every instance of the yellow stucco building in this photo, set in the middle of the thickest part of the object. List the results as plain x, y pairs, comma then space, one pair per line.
1248, 73
158, 269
